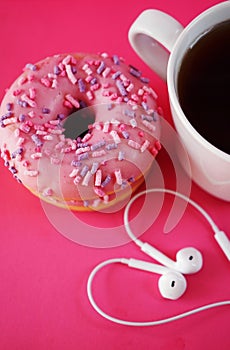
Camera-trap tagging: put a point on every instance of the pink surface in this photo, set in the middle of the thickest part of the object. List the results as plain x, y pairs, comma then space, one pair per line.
43, 275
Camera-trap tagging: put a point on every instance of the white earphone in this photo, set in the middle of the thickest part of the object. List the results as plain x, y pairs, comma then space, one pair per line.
172, 283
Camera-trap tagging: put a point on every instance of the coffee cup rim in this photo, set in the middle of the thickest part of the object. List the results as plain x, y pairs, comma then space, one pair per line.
171, 82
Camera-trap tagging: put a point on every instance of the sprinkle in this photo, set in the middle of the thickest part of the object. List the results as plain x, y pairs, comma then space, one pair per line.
111, 146
133, 123
20, 141
121, 155
13, 170
48, 137
97, 145
45, 110
86, 203
145, 146
36, 155
130, 87
118, 176
106, 72
86, 179
72, 100
77, 180
31, 66
98, 178
125, 134
57, 70
116, 59
149, 125
94, 168
106, 181
134, 144
121, 88
95, 87
83, 156
82, 150
86, 137
106, 127
129, 113
70, 74
101, 67
60, 116
98, 153
46, 82
25, 128
17, 92
31, 173
54, 122
115, 136
147, 117
116, 75
9, 106
47, 192
75, 163
89, 95
144, 80
36, 140
99, 192
135, 72
56, 131
96, 202
81, 85
31, 114
157, 145
22, 80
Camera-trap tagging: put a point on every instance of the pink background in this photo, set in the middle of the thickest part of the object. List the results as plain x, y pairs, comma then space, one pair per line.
43, 275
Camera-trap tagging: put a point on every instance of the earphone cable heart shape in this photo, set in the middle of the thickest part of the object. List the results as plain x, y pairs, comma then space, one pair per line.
172, 284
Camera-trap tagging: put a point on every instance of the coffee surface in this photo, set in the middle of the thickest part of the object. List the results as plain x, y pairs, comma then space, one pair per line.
204, 85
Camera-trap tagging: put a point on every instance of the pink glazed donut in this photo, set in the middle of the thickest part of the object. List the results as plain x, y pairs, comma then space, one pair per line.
113, 142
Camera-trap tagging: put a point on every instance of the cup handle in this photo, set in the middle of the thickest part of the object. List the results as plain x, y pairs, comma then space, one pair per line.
153, 35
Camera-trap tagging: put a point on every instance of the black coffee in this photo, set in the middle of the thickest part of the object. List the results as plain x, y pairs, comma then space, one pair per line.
204, 86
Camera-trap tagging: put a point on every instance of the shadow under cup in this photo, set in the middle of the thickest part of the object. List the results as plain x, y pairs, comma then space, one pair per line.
196, 99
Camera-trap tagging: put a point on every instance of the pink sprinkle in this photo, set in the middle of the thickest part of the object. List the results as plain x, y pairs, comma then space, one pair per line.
54, 122
46, 82
89, 95
130, 87
106, 72
22, 80
88, 78
153, 151
72, 100
114, 96
31, 114
145, 146
16, 132
55, 161
148, 125
25, 128
37, 155
106, 199
157, 145
32, 93
118, 176
20, 141
106, 93
25, 163
134, 144
96, 202
98, 178
17, 92
48, 137
55, 132
70, 74
134, 97
95, 87
68, 104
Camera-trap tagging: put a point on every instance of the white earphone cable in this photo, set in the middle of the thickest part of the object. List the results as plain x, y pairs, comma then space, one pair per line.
140, 323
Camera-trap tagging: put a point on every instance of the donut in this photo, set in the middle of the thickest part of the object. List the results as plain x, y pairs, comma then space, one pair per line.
80, 130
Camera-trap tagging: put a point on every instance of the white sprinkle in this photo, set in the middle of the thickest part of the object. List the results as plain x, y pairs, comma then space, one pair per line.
98, 178
115, 136
82, 150
70, 74
130, 87
149, 126
74, 173
145, 146
86, 179
20, 141
106, 127
106, 72
31, 114
72, 100
32, 173
133, 122
16, 132
77, 180
134, 144
121, 155
89, 94
47, 192
48, 137
94, 168
98, 153
118, 176
36, 155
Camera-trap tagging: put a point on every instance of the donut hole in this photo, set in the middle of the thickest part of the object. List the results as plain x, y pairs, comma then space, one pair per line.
77, 123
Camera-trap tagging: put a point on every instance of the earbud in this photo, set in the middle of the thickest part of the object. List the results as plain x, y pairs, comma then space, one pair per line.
171, 284
188, 260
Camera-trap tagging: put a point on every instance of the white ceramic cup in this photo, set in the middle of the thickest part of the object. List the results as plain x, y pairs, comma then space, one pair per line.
162, 42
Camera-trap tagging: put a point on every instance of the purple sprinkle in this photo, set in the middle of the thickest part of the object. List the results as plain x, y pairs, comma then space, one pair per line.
130, 113
144, 80
106, 181
9, 106
13, 170
149, 118
84, 170
111, 146
131, 179
36, 140
97, 145
121, 88
76, 163
101, 67
5, 116
22, 103
144, 105
125, 134
73, 69
93, 81
135, 72
83, 156
82, 104
116, 75
22, 117
15, 153
31, 67
116, 59
81, 85
60, 116
57, 70
86, 203
45, 110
